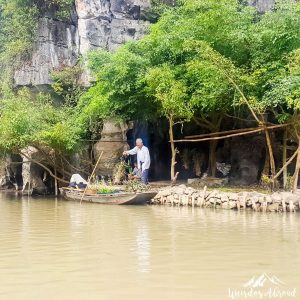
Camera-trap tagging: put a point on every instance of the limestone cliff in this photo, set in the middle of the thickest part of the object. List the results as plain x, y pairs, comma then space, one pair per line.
262, 5
93, 24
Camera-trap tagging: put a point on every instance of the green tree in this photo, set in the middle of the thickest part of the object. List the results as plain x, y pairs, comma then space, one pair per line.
223, 25
34, 121
171, 96
117, 90
283, 97
67, 84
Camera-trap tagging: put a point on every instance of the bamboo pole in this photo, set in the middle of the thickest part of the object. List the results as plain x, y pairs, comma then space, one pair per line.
297, 168
55, 173
44, 167
284, 150
271, 155
91, 176
219, 137
55, 182
173, 150
231, 135
286, 164
211, 134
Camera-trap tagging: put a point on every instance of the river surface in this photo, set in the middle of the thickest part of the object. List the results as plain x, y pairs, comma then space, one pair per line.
55, 249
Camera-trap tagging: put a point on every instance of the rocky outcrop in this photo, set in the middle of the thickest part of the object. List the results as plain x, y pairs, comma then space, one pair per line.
262, 5
5, 176
94, 24
56, 46
246, 157
187, 196
34, 176
112, 143
11, 172
110, 23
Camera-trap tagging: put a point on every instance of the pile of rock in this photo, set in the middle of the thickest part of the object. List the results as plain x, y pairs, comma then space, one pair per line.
184, 196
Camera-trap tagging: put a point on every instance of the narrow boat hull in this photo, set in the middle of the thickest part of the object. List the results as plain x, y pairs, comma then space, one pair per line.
116, 199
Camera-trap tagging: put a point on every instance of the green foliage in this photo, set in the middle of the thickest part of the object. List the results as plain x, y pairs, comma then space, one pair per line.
196, 61
26, 120
107, 190
161, 6
18, 24
20, 120
118, 90
63, 133
62, 7
169, 92
275, 35
18, 27
178, 81
67, 84
223, 24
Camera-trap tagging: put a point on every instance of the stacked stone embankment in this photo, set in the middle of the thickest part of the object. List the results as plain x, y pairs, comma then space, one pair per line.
187, 196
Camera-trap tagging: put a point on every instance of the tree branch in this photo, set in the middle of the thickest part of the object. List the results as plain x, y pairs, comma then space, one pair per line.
231, 135
44, 167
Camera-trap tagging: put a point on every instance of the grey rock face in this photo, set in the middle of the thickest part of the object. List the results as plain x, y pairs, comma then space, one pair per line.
262, 5
246, 157
56, 46
112, 144
110, 23
32, 173
95, 24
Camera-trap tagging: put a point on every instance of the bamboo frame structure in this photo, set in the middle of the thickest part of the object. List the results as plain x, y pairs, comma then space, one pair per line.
232, 133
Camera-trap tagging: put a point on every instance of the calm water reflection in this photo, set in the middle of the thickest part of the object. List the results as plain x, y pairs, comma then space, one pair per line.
63, 250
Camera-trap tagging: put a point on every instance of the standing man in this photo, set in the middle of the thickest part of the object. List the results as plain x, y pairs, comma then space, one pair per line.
143, 158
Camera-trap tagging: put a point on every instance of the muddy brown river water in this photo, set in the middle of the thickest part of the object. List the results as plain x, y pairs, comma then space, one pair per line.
54, 249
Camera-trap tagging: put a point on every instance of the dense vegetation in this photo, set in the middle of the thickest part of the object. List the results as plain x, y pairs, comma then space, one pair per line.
202, 62
18, 25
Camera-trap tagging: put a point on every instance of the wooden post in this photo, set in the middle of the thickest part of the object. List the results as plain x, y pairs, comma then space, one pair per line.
55, 181
284, 158
212, 158
55, 178
296, 173
29, 186
271, 156
173, 150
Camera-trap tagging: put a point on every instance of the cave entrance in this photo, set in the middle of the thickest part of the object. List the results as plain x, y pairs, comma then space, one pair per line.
192, 159
15, 171
238, 159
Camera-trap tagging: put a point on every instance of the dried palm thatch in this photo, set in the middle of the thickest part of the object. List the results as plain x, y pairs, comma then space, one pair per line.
119, 172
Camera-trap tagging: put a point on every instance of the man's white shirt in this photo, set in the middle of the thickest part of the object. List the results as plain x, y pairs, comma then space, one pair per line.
143, 156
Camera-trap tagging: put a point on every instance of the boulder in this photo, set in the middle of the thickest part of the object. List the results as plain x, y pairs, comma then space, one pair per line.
247, 157
273, 207
5, 176
288, 196
32, 173
112, 144
262, 5
56, 46
110, 23
93, 24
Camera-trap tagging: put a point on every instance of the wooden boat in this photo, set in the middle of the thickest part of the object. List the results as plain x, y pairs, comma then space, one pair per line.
120, 198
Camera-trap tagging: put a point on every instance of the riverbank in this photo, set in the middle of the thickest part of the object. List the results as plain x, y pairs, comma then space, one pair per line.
182, 195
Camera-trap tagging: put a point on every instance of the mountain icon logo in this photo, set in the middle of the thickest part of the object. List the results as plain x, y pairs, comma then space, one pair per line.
262, 280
